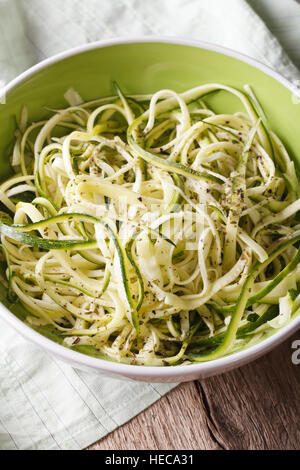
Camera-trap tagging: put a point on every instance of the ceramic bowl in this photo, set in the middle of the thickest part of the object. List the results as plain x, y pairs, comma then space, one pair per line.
145, 65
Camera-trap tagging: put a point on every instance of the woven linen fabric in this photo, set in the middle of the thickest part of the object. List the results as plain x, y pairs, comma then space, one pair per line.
44, 403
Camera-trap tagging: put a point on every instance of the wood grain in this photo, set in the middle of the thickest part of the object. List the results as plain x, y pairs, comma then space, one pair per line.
254, 407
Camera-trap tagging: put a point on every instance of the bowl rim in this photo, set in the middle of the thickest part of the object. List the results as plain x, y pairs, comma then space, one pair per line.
139, 371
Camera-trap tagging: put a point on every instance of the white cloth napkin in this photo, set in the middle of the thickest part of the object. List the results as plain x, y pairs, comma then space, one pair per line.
45, 404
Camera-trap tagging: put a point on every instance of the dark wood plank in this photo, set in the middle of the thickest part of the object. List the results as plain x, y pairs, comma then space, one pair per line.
257, 406
254, 407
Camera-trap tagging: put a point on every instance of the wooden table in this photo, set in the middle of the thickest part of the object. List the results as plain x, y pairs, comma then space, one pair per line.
254, 407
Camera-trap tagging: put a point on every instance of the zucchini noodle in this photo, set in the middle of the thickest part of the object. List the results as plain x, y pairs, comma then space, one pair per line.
151, 228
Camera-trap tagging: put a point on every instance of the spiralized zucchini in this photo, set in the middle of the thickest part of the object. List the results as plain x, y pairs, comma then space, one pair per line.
152, 228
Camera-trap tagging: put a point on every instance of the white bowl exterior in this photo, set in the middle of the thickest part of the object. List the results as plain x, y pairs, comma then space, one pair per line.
142, 373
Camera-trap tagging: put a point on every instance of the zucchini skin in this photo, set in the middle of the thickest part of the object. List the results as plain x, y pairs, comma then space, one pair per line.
18, 233
231, 332
242, 332
260, 295
172, 167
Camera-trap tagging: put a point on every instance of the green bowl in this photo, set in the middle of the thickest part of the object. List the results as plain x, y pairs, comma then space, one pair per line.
145, 66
